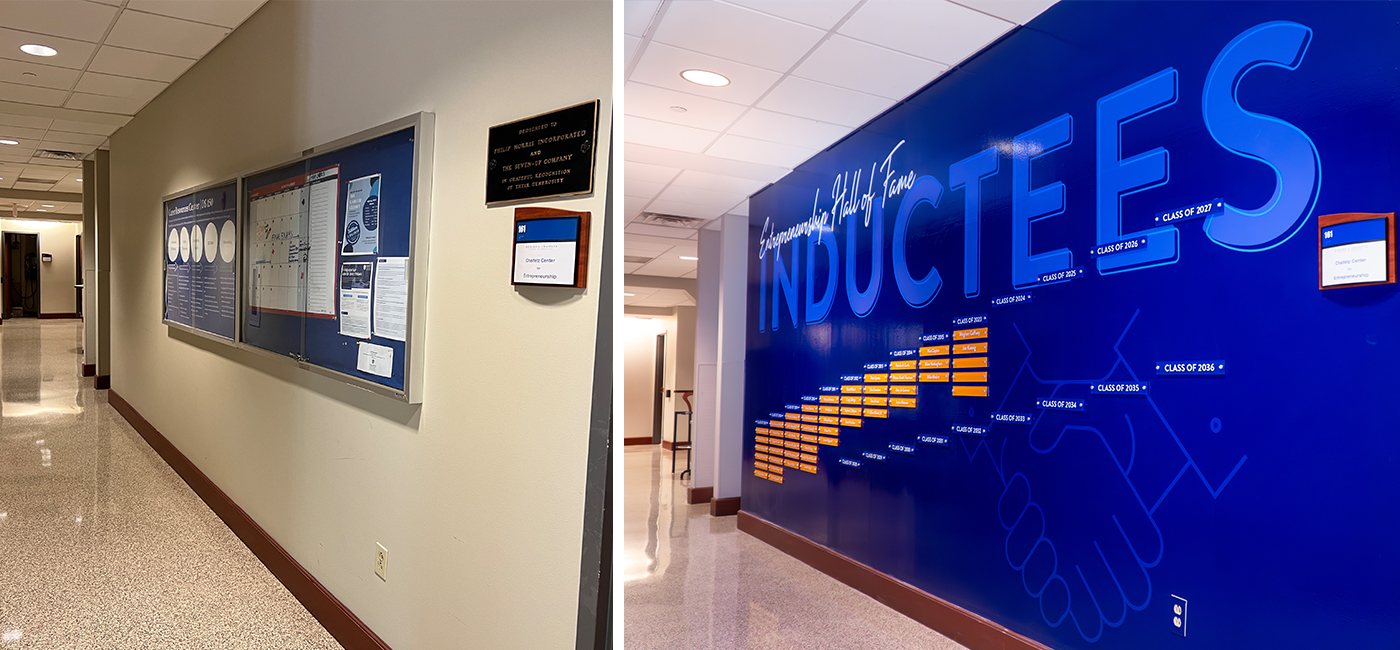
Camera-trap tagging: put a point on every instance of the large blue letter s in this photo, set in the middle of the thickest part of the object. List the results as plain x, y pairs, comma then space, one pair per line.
1272, 141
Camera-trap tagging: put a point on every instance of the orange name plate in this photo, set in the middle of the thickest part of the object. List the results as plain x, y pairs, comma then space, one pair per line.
904, 376
970, 348
975, 333
933, 351
876, 413
902, 402
969, 391
849, 410
969, 376
829, 399
877, 401
809, 418
830, 442
933, 376
809, 408
848, 399
828, 431
828, 419
933, 364
970, 362
830, 409
905, 364
877, 389
809, 449
904, 390
854, 388
850, 422
810, 469
879, 378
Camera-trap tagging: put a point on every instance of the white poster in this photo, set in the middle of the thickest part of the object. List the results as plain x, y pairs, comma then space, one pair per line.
551, 262
376, 359
360, 235
391, 298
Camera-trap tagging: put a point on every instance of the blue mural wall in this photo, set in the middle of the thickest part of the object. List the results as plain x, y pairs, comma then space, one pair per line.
1049, 339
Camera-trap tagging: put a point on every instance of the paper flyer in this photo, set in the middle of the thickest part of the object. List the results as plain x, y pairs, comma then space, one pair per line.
391, 298
361, 233
356, 287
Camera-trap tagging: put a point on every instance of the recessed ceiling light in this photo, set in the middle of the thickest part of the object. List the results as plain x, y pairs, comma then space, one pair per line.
47, 205
42, 210
9, 142
687, 257
705, 78
38, 50
679, 109
629, 294
80, 180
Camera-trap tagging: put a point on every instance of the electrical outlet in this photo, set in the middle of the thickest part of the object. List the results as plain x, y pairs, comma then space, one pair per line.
1178, 615
381, 562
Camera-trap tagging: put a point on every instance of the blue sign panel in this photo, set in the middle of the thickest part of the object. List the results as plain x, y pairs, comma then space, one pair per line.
201, 277
1085, 501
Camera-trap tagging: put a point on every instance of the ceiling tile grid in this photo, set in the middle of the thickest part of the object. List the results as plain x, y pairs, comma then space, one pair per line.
802, 75
112, 58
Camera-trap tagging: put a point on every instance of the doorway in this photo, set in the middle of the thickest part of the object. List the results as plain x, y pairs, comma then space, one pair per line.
21, 275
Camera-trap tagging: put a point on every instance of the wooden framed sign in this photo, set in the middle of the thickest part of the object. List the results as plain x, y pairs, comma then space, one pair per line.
550, 248
545, 156
1355, 249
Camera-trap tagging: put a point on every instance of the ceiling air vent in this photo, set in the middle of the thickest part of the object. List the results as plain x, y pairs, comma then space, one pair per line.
672, 220
58, 155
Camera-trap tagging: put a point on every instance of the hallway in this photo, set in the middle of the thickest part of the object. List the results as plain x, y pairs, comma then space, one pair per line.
695, 581
104, 546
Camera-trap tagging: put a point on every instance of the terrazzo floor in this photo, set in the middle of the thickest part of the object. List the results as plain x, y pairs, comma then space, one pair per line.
694, 581
102, 545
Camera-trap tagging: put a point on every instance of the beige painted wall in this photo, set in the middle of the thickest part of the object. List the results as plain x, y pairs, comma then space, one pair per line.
478, 494
638, 339
56, 278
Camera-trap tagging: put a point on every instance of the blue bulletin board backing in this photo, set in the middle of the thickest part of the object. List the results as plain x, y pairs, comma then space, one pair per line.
303, 331
201, 260
1107, 224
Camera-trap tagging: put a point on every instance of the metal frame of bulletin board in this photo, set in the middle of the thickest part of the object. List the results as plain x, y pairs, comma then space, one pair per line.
419, 203
237, 261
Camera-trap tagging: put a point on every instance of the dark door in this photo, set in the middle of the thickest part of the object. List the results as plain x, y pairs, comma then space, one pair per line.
78, 279
659, 388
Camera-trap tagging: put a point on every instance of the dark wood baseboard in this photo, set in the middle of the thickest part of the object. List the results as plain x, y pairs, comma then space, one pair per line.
628, 442
102, 382
697, 496
668, 446
724, 506
89, 369
66, 314
342, 624
960, 625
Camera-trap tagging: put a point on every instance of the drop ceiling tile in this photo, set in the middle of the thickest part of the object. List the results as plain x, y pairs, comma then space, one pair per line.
731, 32
637, 15
37, 187
82, 21
75, 138
684, 209
692, 275
32, 94
25, 143
671, 136
788, 129
633, 205
84, 127
644, 189
718, 183
662, 65
25, 121
71, 54
637, 244
104, 104
823, 102
667, 268
937, 30
628, 267
719, 200
649, 173
225, 13
823, 14
673, 235
701, 112
13, 155
847, 63
629, 49
113, 86
40, 172
142, 65
33, 74
152, 33
15, 132
1016, 11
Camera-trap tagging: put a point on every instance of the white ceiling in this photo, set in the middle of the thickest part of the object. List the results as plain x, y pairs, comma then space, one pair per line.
114, 57
803, 74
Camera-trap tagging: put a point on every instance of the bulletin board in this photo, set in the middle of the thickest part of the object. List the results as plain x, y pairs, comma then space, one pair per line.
336, 257
200, 251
